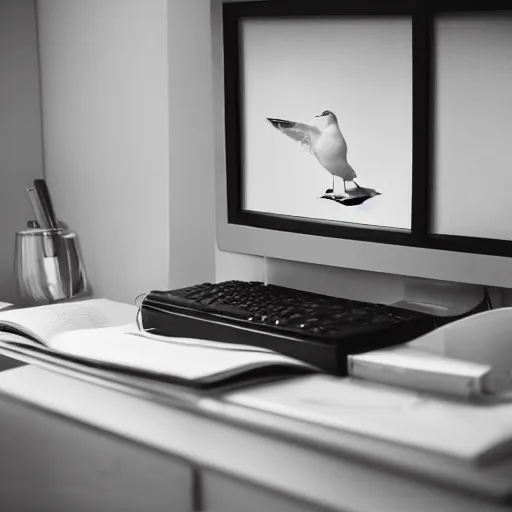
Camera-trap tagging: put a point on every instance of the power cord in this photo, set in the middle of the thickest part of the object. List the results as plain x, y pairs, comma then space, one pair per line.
139, 312
487, 298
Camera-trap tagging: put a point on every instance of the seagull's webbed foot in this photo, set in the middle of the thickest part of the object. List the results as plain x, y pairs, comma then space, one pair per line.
354, 197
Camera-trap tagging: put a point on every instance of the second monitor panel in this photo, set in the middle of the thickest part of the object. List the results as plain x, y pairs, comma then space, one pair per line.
473, 136
328, 100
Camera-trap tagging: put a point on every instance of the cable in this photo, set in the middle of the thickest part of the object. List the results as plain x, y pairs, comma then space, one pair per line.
139, 311
487, 297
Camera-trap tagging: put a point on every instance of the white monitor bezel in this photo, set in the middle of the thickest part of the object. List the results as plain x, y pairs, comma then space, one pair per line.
456, 266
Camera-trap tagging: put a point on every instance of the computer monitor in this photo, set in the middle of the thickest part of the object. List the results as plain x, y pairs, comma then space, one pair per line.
369, 136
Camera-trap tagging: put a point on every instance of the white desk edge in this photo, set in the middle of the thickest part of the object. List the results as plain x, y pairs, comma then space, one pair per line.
245, 454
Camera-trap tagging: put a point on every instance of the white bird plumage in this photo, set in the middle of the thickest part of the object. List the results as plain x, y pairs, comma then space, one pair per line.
323, 138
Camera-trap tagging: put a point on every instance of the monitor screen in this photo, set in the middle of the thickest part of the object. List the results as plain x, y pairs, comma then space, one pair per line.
327, 119
472, 179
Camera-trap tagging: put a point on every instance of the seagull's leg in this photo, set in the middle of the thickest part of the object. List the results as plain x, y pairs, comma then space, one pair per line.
344, 186
333, 183
355, 183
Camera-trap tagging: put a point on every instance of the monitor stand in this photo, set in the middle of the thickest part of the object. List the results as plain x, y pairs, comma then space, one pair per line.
440, 298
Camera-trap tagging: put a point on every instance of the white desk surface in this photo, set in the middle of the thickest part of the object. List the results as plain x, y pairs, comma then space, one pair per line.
344, 479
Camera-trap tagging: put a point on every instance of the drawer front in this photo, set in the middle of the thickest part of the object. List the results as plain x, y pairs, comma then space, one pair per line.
51, 464
223, 494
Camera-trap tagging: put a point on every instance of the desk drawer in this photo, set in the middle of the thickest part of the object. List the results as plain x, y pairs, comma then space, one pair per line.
223, 494
51, 464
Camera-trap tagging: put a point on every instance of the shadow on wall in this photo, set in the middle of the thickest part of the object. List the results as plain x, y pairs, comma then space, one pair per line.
21, 157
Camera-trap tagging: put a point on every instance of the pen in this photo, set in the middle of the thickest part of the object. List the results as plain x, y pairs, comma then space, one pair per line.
36, 207
43, 194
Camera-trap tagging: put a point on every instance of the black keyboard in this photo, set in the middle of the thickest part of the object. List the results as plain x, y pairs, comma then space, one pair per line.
317, 329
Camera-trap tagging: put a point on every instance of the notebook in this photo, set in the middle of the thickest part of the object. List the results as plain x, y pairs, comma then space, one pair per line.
102, 335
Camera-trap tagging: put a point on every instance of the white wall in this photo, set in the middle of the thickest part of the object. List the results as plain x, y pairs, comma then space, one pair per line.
21, 158
192, 171
127, 123
105, 104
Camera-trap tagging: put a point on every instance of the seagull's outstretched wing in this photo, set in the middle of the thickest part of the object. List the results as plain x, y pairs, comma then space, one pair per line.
300, 132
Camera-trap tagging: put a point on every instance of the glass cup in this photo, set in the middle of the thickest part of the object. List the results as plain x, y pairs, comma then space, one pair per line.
48, 265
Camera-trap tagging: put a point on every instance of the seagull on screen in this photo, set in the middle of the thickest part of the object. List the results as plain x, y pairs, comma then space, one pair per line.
323, 138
